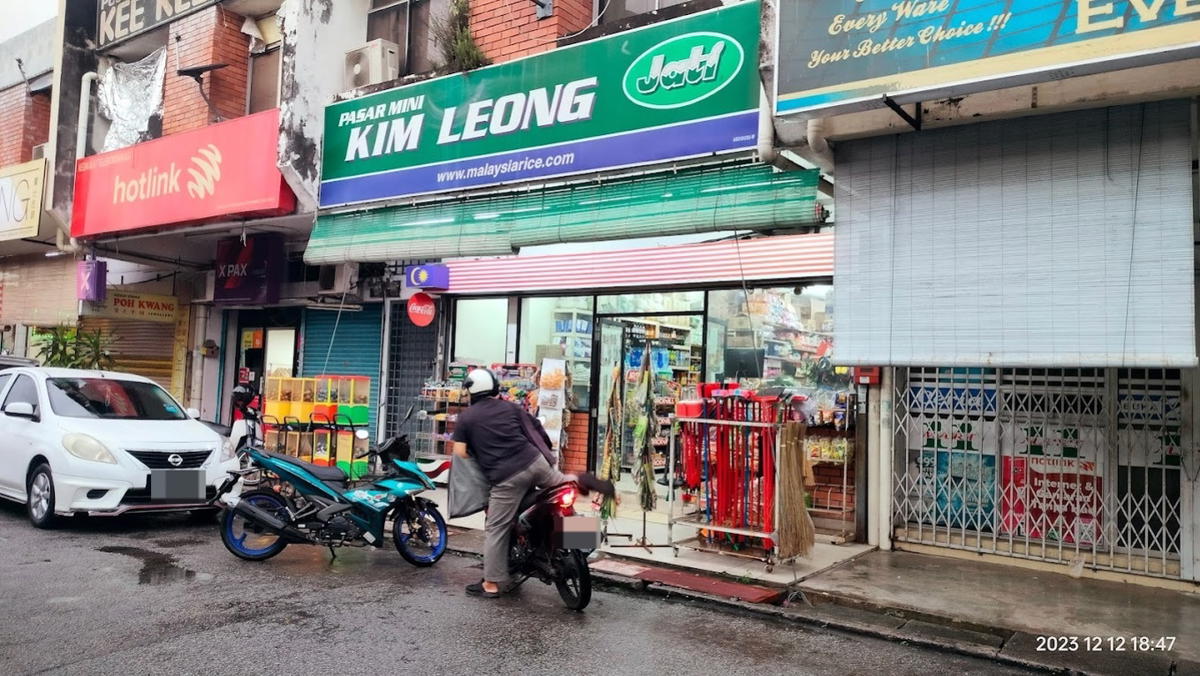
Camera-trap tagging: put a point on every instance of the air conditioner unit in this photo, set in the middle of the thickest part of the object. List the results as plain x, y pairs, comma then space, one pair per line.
210, 283
375, 62
336, 280
39, 151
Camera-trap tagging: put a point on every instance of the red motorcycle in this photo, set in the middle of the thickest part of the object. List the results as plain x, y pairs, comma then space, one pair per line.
551, 542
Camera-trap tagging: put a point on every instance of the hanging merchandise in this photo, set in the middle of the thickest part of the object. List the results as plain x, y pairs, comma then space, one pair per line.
645, 428
743, 474
610, 452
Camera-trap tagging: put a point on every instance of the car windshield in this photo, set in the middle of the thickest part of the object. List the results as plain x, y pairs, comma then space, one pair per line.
114, 399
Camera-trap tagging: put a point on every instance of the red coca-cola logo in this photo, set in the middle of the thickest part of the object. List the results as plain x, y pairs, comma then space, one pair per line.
422, 309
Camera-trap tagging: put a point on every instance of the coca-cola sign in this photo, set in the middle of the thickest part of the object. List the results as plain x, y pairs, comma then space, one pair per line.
422, 309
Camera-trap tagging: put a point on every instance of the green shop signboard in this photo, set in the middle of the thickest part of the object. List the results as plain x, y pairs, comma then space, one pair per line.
682, 88
848, 54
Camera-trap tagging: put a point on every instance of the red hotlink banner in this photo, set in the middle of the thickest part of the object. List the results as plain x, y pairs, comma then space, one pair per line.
222, 170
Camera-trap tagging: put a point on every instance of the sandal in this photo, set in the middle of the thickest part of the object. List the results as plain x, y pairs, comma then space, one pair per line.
477, 589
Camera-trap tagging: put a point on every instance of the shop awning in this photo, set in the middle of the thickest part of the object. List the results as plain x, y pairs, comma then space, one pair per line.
707, 199
784, 257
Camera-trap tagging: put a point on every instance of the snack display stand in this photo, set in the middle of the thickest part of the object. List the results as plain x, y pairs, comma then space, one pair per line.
315, 419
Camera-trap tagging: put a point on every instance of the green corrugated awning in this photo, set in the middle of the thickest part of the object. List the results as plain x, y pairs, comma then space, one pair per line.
708, 199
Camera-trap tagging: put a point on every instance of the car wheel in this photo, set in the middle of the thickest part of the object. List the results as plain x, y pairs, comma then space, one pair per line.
40, 491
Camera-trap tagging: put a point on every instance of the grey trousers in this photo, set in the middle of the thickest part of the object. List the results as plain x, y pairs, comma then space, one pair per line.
503, 501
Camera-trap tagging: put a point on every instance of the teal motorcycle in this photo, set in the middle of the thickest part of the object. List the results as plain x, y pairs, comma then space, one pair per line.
320, 506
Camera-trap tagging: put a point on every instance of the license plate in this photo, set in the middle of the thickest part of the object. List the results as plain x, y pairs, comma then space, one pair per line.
177, 485
579, 532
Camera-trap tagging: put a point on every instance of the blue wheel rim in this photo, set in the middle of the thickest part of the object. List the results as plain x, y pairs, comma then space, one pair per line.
238, 542
437, 547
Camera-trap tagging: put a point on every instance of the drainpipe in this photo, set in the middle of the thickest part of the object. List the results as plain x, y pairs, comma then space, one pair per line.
766, 128
818, 145
884, 477
81, 133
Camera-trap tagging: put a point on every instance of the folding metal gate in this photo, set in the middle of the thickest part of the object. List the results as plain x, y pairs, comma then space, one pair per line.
1078, 466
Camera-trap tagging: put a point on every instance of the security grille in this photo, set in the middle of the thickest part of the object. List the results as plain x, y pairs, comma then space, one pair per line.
412, 354
1077, 466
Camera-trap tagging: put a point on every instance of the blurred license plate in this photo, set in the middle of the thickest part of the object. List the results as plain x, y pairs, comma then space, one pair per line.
580, 532
177, 485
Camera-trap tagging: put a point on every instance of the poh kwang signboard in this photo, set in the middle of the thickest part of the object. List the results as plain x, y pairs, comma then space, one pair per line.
848, 54
682, 88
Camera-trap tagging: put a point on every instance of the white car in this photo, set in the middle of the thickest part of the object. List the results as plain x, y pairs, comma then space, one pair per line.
99, 442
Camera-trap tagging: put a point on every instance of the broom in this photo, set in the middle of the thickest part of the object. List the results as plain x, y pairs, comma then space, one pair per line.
797, 535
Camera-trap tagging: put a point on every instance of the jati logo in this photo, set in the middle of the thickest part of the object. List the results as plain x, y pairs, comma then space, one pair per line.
683, 70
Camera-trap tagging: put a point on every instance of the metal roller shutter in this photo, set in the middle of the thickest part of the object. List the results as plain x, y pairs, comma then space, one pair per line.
142, 348
356, 346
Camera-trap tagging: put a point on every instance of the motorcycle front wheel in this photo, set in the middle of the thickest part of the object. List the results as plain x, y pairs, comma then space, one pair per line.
573, 578
420, 534
248, 540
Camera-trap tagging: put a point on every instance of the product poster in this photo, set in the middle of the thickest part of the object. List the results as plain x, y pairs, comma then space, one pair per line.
954, 470
965, 493
552, 399
1052, 498
1054, 440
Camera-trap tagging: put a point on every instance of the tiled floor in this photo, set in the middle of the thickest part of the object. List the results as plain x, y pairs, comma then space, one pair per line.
823, 557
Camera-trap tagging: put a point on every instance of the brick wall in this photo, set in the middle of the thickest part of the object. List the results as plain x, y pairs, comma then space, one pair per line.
574, 458
508, 29
213, 35
24, 123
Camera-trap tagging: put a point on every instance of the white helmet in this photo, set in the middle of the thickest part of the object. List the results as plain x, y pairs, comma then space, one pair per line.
481, 382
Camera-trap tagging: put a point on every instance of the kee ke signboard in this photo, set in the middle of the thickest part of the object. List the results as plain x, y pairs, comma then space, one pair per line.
226, 169
682, 88
847, 54
119, 20
21, 199
128, 305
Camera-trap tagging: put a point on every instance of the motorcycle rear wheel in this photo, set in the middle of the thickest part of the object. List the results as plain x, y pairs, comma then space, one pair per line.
236, 529
573, 578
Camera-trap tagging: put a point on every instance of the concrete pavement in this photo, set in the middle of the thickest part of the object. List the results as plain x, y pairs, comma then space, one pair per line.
152, 595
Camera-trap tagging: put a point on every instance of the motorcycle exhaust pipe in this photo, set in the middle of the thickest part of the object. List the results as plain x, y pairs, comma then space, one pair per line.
262, 517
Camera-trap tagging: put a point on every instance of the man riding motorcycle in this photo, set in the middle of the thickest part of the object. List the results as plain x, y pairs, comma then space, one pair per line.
497, 435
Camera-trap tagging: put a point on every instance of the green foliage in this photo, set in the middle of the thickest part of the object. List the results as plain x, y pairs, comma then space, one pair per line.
69, 347
459, 49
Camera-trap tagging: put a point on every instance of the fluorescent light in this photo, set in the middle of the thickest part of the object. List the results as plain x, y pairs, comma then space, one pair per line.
54, 254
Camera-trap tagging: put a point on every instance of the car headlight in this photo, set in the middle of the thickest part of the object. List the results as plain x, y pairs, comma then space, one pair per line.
85, 447
228, 450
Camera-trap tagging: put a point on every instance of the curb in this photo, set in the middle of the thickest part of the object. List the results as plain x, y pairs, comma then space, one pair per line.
902, 625
622, 584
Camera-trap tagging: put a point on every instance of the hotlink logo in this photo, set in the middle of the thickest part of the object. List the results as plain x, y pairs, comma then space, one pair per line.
206, 174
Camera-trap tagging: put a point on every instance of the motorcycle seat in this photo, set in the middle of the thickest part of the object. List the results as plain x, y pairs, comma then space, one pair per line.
328, 474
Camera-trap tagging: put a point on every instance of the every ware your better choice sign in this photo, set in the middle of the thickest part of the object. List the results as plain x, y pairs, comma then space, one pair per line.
847, 54
682, 88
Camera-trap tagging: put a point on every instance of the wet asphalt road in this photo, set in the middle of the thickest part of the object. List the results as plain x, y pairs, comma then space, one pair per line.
160, 595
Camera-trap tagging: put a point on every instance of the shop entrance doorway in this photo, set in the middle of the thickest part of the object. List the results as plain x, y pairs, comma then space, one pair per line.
649, 362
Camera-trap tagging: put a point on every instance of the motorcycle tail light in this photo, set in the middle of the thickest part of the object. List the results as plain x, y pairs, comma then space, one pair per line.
566, 499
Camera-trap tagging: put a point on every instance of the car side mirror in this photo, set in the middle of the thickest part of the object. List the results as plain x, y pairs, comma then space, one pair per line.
21, 409
193, 413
